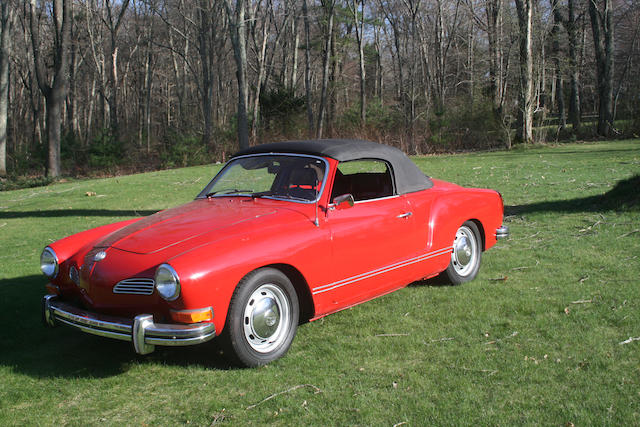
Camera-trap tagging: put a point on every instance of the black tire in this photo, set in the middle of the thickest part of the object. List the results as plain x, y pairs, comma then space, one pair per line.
262, 318
465, 256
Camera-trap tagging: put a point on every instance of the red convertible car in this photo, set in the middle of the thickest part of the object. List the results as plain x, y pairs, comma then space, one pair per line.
285, 233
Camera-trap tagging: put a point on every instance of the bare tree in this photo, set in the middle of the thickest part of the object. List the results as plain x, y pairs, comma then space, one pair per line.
559, 81
328, 9
56, 91
6, 23
307, 66
493, 15
525, 113
357, 8
602, 27
571, 24
239, 40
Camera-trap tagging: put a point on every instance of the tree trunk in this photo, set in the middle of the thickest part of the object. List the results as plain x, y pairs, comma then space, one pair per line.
307, 66
239, 41
205, 52
6, 22
55, 92
260, 46
525, 119
329, 8
602, 27
358, 22
294, 60
574, 97
493, 13
559, 83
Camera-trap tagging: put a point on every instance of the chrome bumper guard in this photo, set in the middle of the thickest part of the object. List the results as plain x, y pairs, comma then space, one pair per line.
142, 331
502, 232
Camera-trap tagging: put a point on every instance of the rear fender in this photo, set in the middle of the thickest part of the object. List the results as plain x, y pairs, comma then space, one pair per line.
451, 210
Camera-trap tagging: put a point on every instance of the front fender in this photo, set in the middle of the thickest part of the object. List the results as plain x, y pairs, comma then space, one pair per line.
209, 274
78, 244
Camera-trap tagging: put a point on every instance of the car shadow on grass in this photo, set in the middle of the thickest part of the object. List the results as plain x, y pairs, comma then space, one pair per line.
31, 348
625, 196
74, 212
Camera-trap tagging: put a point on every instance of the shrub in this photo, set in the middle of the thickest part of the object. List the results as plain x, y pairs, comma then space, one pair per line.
105, 152
183, 150
281, 108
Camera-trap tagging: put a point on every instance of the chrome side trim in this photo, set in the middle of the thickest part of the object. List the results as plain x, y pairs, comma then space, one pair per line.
373, 273
502, 232
141, 331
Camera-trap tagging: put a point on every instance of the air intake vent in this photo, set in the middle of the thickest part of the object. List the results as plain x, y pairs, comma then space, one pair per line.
135, 286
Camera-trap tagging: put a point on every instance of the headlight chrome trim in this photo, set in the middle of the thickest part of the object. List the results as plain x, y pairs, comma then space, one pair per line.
161, 283
50, 273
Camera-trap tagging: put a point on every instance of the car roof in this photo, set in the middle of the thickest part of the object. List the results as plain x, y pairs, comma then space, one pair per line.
408, 177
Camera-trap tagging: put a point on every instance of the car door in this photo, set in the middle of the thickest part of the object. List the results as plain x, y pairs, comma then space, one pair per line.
371, 241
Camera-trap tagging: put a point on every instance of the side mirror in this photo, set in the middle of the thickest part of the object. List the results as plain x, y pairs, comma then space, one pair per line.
344, 201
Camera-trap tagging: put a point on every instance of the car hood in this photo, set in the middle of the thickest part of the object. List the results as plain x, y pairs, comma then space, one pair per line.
193, 222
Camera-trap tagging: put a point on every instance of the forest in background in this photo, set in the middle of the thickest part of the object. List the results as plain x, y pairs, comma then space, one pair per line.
112, 86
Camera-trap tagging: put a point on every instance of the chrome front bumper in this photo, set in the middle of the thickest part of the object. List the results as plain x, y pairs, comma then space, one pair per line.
141, 331
502, 232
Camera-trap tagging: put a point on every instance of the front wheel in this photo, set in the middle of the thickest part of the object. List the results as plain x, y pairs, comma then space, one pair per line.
262, 318
466, 254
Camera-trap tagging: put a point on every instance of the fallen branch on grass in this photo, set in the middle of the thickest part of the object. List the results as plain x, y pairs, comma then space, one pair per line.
219, 418
501, 339
484, 371
582, 301
316, 391
589, 228
392, 335
629, 233
439, 340
631, 339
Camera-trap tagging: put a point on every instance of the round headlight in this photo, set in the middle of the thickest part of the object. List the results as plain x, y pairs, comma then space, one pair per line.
49, 263
167, 282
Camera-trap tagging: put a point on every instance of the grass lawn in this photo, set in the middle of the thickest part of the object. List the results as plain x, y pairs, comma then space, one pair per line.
540, 337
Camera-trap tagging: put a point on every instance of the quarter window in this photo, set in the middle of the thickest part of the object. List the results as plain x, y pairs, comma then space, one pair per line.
364, 179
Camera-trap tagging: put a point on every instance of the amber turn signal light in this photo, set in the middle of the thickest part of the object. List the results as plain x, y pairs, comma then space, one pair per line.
192, 316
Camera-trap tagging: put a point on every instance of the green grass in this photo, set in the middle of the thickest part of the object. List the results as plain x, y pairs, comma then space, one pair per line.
535, 339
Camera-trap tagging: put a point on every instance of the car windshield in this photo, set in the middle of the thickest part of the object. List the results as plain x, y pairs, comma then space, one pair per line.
298, 178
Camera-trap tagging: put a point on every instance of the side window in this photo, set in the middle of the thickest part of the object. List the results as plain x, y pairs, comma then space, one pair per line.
364, 179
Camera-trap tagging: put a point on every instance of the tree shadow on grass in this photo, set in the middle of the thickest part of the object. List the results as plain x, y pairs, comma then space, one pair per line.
30, 348
73, 212
625, 196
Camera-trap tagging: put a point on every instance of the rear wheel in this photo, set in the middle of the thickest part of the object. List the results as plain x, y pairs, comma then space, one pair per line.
262, 318
466, 254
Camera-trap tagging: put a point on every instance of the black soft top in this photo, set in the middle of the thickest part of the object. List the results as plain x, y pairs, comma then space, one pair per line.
408, 177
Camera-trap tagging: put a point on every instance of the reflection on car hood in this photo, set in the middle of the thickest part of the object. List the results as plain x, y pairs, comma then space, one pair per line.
183, 223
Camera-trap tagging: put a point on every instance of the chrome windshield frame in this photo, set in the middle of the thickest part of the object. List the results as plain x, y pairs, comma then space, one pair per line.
203, 193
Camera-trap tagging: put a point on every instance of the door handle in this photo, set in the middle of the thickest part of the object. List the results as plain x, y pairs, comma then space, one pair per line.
405, 215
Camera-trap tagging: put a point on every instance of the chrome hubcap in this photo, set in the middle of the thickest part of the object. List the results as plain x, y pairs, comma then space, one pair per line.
464, 255
266, 318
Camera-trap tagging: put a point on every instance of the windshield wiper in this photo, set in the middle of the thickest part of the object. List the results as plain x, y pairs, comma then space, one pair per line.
268, 193
229, 192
